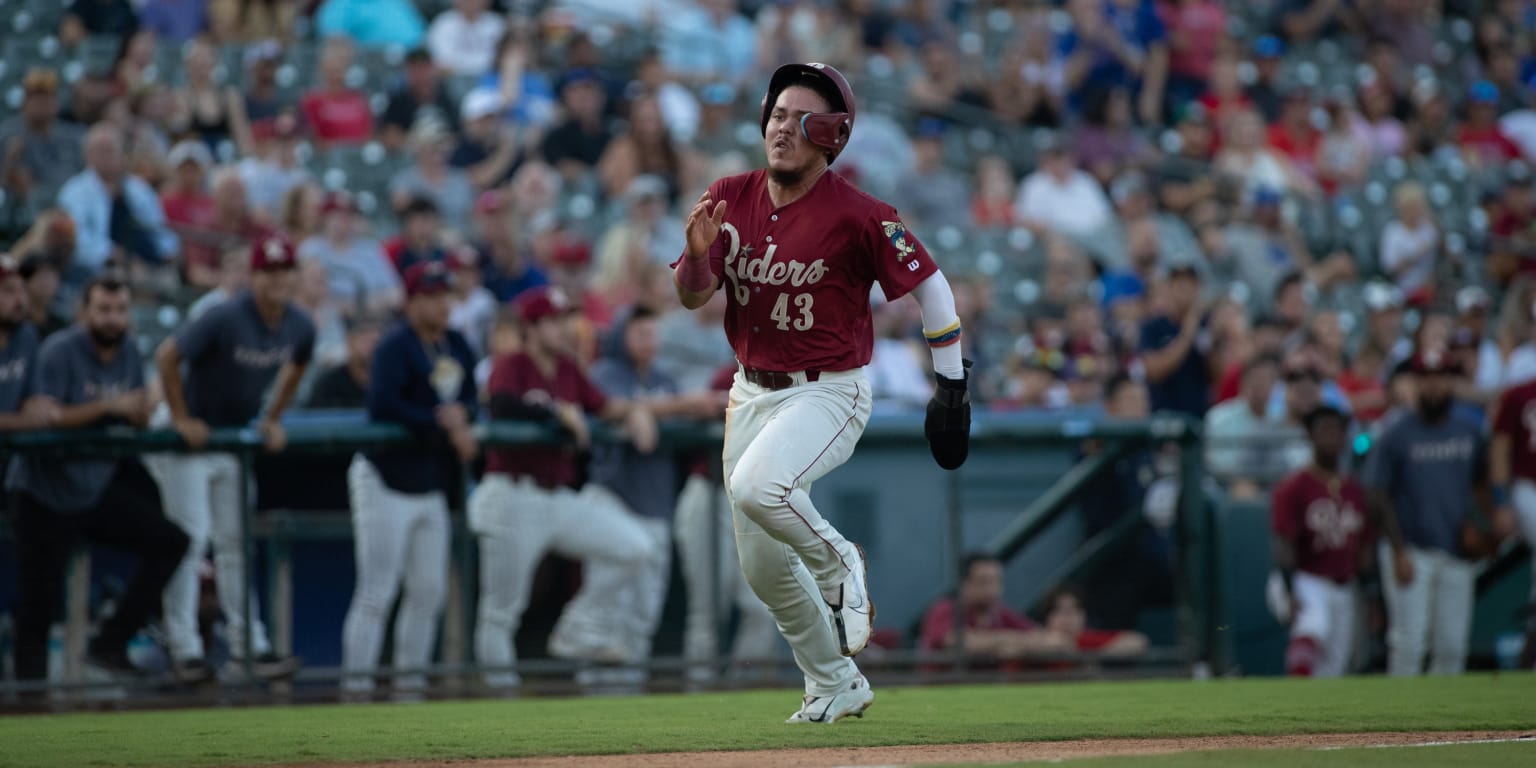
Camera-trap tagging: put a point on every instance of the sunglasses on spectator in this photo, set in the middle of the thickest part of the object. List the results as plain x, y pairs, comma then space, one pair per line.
1303, 375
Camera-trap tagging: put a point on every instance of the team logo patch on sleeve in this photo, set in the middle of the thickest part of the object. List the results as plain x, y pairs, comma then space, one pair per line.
896, 232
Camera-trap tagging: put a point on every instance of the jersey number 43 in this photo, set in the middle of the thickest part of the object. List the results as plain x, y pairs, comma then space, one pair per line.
780, 313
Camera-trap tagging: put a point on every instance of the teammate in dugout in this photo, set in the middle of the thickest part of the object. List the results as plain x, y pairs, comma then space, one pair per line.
1512, 473
1320, 533
421, 380
799, 250
529, 504
233, 353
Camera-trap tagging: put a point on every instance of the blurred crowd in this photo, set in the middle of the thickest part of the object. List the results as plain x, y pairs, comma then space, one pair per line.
1237, 211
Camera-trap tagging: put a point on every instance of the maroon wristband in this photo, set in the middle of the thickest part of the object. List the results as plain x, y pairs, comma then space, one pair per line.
694, 275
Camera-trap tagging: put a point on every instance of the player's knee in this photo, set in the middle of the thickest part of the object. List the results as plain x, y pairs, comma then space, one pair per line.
427, 592
757, 493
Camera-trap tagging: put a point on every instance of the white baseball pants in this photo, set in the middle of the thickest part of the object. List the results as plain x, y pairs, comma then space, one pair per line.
201, 493
778, 442
702, 508
1433, 612
1522, 496
401, 538
1326, 617
518, 522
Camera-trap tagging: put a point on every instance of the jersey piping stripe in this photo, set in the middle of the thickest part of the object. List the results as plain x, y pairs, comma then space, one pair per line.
796, 482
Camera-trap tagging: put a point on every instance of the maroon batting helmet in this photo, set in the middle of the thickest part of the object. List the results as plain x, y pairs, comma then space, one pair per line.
828, 130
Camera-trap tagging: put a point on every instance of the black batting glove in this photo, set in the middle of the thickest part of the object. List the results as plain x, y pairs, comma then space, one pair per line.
948, 423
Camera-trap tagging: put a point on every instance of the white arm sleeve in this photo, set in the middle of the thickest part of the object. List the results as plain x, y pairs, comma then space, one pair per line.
937, 302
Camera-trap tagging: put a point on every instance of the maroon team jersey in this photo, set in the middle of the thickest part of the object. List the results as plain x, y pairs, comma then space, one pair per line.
1326, 526
516, 375
799, 276
1516, 418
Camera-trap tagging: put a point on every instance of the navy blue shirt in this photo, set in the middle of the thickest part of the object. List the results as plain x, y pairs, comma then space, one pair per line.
1429, 471
69, 370
16, 361
647, 483
409, 378
505, 286
232, 356
1188, 388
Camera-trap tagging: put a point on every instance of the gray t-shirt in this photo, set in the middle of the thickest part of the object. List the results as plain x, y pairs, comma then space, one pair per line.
16, 363
357, 270
1428, 471
232, 355
69, 370
647, 483
691, 352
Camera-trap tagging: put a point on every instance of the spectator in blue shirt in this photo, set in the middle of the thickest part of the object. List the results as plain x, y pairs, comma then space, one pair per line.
372, 23
1117, 43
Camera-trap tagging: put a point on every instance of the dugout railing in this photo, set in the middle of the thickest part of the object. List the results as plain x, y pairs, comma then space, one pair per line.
1196, 570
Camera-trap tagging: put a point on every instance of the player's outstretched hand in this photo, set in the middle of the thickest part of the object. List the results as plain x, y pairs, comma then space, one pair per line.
948, 423
704, 225
193, 431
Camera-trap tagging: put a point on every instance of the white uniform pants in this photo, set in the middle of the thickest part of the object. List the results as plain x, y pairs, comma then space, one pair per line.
778, 442
201, 493
1327, 618
401, 538
1432, 613
702, 508
518, 522
1522, 496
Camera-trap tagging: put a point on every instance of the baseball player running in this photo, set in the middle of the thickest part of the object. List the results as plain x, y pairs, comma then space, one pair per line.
421, 379
232, 354
1318, 517
799, 250
529, 502
1512, 473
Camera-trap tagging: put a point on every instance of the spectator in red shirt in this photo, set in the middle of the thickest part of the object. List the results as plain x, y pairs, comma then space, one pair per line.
992, 630
1067, 623
1481, 141
1195, 29
208, 224
1294, 135
336, 113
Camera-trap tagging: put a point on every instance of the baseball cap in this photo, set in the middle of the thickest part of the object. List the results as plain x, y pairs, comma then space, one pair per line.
1483, 92
645, 185
271, 253
1268, 47
425, 278
579, 76
189, 149
717, 94
1472, 298
1181, 269
463, 256
264, 51
1266, 196
490, 201
337, 201
1432, 361
539, 303
481, 102
9, 265
572, 253
931, 128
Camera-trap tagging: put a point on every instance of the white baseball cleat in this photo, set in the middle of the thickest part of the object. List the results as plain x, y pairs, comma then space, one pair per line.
853, 613
830, 709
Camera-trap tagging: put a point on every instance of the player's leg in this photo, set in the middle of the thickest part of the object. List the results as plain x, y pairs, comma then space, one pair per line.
595, 526
1306, 653
698, 560
379, 533
184, 484
225, 492
130, 518
44, 540
1407, 612
512, 523
1455, 591
425, 588
801, 434
757, 634
1338, 645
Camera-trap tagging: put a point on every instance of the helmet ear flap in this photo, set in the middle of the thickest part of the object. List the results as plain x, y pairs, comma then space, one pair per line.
828, 130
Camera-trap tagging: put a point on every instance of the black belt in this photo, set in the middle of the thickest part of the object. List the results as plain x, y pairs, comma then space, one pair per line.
775, 379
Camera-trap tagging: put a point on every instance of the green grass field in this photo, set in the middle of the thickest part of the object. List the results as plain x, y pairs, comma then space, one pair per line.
752, 721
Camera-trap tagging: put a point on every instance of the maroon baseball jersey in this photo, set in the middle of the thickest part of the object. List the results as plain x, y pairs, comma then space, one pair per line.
1327, 526
799, 276
1517, 419
516, 375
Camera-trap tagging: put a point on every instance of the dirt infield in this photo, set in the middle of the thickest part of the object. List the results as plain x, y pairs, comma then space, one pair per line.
940, 754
